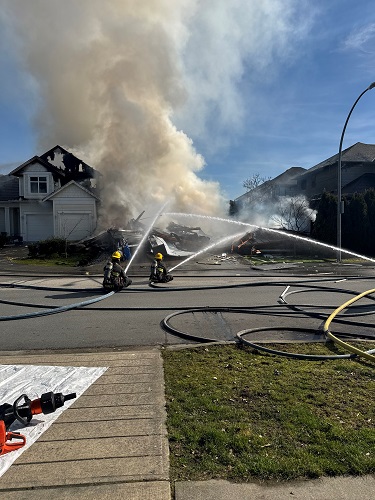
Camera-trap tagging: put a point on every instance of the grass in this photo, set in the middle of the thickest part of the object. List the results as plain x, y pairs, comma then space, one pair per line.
237, 414
259, 260
72, 261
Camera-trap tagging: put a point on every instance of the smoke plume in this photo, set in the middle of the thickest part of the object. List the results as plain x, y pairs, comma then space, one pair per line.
111, 79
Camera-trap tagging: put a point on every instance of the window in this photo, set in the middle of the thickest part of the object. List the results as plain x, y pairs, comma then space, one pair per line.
38, 185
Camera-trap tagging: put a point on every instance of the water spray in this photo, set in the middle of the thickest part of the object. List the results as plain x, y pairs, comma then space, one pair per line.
146, 235
223, 240
275, 231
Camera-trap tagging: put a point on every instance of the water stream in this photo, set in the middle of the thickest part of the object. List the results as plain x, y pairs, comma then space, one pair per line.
223, 240
145, 236
275, 231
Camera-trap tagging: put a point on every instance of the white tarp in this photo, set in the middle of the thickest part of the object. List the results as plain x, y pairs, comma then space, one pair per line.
170, 249
34, 381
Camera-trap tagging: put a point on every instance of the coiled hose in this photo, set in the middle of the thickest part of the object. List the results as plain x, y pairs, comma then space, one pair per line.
343, 344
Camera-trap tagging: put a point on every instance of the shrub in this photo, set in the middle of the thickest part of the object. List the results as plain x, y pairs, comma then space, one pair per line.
3, 239
47, 248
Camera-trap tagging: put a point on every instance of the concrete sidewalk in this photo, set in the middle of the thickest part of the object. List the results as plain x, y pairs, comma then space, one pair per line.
338, 488
111, 443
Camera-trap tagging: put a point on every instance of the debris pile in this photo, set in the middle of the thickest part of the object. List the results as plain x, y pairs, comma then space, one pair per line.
217, 260
174, 241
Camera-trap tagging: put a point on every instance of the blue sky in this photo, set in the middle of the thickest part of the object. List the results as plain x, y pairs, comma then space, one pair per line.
262, 86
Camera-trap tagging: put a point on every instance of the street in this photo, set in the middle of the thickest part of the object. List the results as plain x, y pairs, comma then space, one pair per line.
237, 300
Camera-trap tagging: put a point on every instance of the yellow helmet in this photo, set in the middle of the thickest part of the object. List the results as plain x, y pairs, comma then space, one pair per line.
159, 256
116, 255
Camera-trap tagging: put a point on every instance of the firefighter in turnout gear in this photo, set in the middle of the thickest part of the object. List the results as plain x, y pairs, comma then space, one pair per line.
114, 275
159, 273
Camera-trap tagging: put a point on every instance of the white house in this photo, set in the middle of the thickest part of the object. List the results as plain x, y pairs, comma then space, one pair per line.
52, 195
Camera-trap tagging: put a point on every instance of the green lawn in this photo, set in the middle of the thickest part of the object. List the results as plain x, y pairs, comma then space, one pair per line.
259, 260
70, 261
237, 414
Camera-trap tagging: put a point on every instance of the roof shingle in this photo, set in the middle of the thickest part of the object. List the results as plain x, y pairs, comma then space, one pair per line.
9, 188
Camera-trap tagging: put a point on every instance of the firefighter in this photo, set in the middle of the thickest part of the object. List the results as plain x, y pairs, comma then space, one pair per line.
159, 273
114, 275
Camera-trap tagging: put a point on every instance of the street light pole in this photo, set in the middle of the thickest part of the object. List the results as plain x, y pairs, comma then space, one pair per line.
340, 203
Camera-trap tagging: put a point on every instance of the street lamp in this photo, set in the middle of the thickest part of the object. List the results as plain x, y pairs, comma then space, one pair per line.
340, 203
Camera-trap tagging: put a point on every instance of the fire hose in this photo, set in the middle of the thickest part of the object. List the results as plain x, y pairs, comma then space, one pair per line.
367, 355
56, 309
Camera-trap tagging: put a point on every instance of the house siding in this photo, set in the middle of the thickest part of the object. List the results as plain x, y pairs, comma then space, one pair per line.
315, 183
29, 212
35, 169
74, 225
55, 204
10, 219
38, 227
325, 179
74, 213
354, 172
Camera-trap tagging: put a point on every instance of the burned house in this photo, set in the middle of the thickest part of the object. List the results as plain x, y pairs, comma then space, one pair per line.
52, 195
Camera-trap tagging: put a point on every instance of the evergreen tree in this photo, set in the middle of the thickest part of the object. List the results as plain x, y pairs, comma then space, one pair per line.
326, 219
369, 197
354, 224
358, 222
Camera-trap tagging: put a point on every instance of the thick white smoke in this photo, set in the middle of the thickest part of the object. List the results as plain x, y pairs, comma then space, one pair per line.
113, 78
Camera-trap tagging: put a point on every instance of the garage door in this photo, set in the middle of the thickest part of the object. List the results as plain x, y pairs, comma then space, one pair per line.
74, 226
38, 227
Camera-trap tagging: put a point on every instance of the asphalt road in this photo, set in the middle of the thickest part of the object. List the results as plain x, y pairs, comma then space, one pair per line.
238, 297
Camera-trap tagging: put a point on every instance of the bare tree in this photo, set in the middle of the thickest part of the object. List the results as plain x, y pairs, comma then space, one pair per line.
66, 233
254, 181
259, 192
293, 214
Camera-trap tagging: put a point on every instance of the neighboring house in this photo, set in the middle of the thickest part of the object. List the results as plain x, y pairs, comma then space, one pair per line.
52, 195
282, 185
357, 173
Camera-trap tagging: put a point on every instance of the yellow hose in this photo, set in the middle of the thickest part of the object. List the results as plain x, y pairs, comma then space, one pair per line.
343, 344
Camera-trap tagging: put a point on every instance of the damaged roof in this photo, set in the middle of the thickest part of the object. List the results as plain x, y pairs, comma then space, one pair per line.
37, 159
71, 162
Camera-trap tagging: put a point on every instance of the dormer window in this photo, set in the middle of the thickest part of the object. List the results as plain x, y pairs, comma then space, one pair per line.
38, 184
